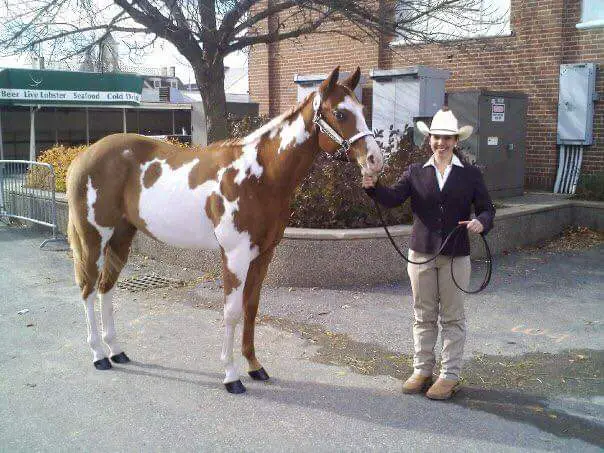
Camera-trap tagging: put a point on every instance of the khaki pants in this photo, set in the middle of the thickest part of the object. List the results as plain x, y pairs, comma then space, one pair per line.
434, 294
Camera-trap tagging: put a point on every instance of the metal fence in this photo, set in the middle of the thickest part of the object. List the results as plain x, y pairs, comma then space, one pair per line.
27, 192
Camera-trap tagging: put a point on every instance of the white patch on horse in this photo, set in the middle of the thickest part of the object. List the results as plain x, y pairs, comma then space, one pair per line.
104, 232
126, 153
357, 110
173, 212
247, 164
295, 131
272, 126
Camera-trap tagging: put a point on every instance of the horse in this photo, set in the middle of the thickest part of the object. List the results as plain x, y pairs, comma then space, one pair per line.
233, 196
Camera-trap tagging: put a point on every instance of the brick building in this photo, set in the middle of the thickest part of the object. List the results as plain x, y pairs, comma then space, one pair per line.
543, 34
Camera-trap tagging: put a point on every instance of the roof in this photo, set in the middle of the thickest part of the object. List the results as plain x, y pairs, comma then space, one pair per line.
42, 87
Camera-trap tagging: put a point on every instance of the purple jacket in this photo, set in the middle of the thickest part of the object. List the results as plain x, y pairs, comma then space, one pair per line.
436, 212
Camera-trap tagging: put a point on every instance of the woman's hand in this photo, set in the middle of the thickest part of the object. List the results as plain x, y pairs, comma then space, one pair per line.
473, 225
369, 181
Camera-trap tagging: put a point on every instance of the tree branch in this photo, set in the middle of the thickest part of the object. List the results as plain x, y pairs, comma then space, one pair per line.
276, 36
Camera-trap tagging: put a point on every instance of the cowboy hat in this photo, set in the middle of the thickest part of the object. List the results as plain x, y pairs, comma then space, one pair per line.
445, 123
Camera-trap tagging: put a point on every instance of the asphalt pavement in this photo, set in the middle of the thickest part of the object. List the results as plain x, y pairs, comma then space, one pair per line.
533, 371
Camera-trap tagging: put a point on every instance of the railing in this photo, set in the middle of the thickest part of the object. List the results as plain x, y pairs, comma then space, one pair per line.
27, 192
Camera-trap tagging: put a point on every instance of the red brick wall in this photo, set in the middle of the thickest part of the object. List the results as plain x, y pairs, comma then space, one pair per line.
544, 36
587, 46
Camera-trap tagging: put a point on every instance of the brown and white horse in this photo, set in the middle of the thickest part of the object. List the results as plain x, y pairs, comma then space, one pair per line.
233, 195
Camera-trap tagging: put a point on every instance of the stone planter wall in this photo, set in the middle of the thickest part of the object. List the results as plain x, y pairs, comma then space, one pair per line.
330, 258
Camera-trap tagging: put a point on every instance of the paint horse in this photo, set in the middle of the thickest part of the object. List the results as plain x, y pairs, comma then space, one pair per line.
233, 196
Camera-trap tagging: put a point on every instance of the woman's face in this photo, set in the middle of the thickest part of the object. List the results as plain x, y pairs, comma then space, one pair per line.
442, 145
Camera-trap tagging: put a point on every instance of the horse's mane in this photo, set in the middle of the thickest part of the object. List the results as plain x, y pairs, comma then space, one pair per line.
278, 120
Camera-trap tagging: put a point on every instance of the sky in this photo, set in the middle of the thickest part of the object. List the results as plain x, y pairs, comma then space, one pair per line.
164, 54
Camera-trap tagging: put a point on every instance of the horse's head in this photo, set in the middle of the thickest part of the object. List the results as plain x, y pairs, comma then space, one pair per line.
339, 115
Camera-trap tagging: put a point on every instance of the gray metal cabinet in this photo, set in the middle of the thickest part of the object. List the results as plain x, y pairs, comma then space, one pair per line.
498, 145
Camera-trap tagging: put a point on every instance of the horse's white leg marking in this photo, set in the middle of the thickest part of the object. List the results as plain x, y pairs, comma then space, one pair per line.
233, 309
108, 324
94, 340
104, 232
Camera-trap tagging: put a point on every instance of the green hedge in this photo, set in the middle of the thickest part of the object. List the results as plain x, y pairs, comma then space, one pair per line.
590, 187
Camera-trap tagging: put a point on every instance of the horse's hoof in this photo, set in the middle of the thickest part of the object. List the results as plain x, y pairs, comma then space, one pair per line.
235, 387
103, 364
259, 375
120, 358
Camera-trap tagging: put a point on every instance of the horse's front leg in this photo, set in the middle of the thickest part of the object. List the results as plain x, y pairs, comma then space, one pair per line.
253, 284
235, 265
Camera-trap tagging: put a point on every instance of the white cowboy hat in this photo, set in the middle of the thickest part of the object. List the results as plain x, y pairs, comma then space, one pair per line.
445, 123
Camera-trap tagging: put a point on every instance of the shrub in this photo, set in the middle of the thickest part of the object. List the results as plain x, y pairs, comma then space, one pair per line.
591, 187
331, 195
240, 127
60, 157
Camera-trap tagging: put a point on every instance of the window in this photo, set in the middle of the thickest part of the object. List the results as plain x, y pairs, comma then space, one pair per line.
468, 19
592, 14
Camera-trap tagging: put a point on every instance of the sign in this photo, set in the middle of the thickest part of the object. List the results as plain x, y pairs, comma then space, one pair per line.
498, 109
20, 94
492, 141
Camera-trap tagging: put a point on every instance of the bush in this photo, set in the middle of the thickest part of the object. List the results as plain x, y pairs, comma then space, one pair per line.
240, 127
331, 195
60, 157
590, 187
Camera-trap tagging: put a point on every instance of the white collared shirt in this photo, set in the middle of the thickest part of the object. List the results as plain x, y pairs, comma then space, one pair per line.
442, 179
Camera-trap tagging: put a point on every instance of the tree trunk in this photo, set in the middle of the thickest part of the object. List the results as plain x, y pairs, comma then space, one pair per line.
210, 80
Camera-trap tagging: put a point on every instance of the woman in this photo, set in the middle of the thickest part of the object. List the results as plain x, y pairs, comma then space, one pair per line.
442, 191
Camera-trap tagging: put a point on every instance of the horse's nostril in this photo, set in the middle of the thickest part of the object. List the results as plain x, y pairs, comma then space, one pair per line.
371, 159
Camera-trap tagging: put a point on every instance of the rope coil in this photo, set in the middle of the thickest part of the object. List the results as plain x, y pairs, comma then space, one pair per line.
489, 260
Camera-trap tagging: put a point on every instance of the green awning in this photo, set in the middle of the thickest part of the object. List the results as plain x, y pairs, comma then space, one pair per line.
41, 87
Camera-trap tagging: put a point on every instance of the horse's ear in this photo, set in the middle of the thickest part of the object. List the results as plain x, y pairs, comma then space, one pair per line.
353, 80
329, 83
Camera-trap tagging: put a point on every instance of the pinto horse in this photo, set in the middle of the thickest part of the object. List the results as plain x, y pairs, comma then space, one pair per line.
233, 196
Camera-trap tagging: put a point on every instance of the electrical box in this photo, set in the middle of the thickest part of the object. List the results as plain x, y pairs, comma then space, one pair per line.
400, 95
576, 104
498, 144
308, 83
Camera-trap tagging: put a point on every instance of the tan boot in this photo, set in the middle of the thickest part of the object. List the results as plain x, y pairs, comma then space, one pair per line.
417, 384
443, 389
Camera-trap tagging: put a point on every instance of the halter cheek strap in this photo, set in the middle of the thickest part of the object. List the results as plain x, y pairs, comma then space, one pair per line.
325, 128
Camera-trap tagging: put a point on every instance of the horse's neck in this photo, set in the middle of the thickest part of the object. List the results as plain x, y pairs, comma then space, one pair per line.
287, 164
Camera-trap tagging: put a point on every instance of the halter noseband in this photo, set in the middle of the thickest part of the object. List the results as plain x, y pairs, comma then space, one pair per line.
345, 144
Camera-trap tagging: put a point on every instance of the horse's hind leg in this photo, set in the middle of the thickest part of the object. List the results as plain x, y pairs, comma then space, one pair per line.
116, 255
86, 245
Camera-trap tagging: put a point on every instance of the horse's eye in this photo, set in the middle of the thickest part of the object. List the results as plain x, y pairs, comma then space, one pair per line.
338, 114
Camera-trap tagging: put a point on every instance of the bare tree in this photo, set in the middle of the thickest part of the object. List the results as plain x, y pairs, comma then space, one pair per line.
205, 31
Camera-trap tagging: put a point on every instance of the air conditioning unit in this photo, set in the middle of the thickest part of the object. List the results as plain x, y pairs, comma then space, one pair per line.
402, 95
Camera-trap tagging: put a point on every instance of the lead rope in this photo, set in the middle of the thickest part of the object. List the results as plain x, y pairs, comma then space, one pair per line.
489, 260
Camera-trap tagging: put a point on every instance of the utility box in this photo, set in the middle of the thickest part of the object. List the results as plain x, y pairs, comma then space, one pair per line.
401, 95
576, 104
498, 144
307, 83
